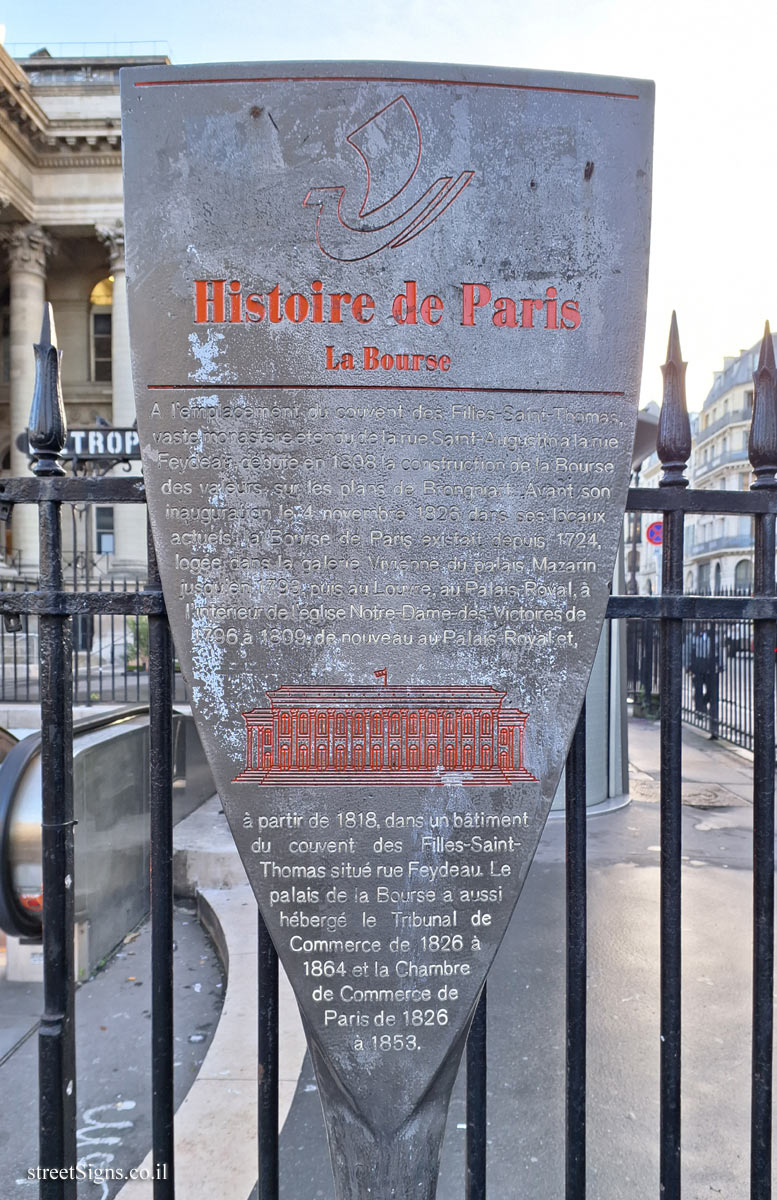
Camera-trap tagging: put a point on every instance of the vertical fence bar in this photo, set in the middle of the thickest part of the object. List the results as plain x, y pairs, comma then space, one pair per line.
267, 1188
763, 456
161, 807
3, 644
27, 662
56, 1038
138, 648
99, 651
674, 448
113, 651
713, 688
125, 645
576, 964
477, 1101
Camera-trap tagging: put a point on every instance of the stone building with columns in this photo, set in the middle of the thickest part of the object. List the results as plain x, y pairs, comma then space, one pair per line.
61, 239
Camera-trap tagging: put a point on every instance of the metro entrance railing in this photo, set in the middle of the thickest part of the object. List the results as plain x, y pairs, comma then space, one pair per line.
56, 610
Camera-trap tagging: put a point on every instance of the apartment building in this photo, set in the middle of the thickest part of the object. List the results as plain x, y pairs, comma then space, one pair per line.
718, 549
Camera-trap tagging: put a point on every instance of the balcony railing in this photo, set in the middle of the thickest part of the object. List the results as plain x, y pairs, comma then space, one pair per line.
720, 460
730, 418
731, 541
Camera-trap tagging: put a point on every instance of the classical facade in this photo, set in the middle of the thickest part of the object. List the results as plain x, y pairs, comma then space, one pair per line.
311, 736
61, 239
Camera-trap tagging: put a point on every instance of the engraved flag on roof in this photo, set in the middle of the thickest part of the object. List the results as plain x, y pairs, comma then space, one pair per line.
391, 212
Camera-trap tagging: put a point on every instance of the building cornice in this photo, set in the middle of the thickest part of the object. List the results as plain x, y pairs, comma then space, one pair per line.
61, 161
16, 98
52, 144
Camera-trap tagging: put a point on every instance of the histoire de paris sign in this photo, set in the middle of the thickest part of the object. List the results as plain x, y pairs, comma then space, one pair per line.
386, 326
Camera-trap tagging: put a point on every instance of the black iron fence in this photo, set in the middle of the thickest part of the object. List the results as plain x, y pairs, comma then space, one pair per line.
58, 612
110, 649
717, 666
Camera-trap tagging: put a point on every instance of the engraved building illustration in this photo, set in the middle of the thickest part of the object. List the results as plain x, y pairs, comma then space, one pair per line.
385, 736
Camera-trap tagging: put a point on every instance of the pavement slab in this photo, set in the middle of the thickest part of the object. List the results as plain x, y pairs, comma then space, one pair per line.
526, 999
113, 1056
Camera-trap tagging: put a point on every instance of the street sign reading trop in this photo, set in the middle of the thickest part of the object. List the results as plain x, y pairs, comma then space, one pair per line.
386, 327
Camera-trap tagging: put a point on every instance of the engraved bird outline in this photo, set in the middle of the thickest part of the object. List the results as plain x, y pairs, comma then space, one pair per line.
389, 144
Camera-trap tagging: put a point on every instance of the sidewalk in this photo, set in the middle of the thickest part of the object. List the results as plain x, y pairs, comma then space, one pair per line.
715, 774
526, 999
526, 1010
526, 1005
113, 1054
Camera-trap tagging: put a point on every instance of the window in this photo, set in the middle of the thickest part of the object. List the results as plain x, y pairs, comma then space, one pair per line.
743, 575
103, 523
101, 301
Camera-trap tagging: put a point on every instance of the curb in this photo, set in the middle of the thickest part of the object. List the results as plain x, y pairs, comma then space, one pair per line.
216, 1125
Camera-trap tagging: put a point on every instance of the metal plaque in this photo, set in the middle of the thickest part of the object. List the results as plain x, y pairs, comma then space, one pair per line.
386, 326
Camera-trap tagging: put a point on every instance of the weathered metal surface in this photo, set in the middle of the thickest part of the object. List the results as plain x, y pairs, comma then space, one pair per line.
763, 456
386, 329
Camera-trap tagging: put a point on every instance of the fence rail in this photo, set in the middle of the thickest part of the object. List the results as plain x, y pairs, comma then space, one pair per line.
661, 656
110, 636
717, 665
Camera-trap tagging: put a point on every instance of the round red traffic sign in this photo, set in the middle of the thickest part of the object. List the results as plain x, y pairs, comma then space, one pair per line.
655, 533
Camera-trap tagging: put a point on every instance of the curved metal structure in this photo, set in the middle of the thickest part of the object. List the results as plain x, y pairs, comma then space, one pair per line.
112, 831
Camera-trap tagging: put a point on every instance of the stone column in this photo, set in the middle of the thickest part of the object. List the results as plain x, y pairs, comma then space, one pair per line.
112, 237
129, 520
27, 247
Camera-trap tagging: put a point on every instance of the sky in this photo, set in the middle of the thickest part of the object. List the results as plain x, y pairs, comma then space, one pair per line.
714, 241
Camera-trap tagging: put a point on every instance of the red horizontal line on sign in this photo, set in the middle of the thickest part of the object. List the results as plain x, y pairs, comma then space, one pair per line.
370, 387
515, 87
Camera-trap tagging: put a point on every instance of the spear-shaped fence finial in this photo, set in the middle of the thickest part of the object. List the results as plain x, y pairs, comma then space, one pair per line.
48, 426
762, 447
674, 428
